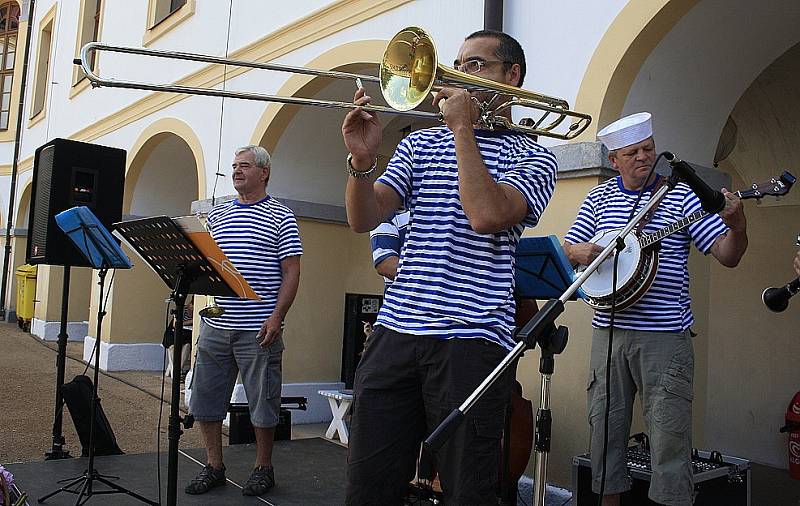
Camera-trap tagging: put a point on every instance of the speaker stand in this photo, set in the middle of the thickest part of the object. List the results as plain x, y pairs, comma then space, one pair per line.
82, 485
57, 451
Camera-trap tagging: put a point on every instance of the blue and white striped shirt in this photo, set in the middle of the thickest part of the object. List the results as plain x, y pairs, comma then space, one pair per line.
387, 240
454, 282
255, 237
667, 305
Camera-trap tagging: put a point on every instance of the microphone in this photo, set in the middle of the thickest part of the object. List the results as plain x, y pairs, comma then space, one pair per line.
711, 200
777, 299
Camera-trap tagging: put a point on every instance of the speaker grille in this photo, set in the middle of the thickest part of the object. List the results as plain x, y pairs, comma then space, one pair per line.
41, 216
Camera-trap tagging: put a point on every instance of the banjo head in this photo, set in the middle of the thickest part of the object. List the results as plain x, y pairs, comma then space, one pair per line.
599, 284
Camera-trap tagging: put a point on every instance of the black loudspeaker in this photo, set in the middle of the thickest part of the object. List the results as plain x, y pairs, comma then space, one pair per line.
67, 174
240, 428
78, 397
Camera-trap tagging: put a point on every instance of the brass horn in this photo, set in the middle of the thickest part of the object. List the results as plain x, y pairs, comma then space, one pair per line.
409, 72
212, 310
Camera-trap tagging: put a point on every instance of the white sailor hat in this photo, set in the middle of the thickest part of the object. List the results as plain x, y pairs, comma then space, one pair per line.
626, 131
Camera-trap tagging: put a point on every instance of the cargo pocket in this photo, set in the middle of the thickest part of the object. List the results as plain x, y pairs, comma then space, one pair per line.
672, 411
274, 369
594, 404
485, 448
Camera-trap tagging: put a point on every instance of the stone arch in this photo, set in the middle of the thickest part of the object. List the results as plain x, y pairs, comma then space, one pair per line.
148, 140
165, 175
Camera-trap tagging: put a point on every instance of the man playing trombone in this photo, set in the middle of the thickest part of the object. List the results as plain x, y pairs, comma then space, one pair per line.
447, 319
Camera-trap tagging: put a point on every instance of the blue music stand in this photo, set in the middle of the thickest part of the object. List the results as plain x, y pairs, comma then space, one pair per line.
542, 269
92, 238
103, 253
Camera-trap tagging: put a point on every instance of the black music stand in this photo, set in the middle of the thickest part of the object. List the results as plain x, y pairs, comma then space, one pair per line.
103, 253
186, 270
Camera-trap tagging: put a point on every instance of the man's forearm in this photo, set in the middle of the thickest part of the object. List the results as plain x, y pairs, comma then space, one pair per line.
388, 267
731, 247
361, 203
288, 290
486, 205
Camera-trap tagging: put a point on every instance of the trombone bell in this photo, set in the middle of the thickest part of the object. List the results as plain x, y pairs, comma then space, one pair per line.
408, 69
212, 310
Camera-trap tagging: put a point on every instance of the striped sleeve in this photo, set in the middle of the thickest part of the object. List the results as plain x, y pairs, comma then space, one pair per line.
535, 178
704, 232
398, 174
289, 238
385, 242
585, 225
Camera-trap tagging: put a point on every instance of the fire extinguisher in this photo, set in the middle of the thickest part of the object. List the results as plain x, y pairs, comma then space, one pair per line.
793, 428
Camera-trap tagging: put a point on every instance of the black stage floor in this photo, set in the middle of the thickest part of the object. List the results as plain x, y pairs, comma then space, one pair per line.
307, 472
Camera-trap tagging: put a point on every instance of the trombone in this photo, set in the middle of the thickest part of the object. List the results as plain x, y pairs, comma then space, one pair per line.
409, 72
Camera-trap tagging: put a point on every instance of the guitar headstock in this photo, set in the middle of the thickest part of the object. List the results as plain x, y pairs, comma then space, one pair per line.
776, 187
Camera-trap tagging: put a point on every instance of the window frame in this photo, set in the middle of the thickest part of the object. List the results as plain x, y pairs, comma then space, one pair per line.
5, 35
79, 80
47, 23
157, 29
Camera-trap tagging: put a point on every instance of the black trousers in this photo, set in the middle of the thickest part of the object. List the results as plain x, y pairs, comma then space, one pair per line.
405, 385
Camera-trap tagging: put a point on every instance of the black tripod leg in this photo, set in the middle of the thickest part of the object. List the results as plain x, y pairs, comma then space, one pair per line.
122, 490
86, 492
65, 488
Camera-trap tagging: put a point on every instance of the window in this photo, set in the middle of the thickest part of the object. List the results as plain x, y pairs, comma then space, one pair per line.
166, 7
9, 24
163, 16
42, 64
88, 31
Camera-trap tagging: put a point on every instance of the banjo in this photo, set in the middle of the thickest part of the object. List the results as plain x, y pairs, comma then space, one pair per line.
638, 261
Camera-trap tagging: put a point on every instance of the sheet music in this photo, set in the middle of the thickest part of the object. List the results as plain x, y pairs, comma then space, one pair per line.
168, 248
196, 232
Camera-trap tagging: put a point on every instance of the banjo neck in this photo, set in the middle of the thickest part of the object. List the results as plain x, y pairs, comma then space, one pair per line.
650, 239
776, 187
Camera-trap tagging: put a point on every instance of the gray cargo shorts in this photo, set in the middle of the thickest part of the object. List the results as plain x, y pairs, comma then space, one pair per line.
660, 366
221, 356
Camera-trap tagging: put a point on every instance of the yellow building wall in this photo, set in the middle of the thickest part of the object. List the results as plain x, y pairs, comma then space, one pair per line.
143, 298
49, 283
18, 246
335, 261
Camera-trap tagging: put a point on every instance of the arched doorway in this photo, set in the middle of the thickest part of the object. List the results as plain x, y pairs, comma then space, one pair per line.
162, 179
699, 66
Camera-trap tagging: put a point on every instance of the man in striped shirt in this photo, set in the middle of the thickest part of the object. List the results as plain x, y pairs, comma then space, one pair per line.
652, 349
260, 237
448, 317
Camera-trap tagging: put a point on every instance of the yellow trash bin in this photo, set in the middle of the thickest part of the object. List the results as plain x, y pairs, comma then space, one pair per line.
26, 293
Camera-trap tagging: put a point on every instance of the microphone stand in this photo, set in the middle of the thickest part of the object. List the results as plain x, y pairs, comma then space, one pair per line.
539, 329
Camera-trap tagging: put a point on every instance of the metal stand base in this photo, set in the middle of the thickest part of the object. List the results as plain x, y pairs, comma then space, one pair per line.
82, 485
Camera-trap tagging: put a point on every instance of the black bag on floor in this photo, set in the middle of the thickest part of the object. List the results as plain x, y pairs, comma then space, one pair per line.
78, 397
